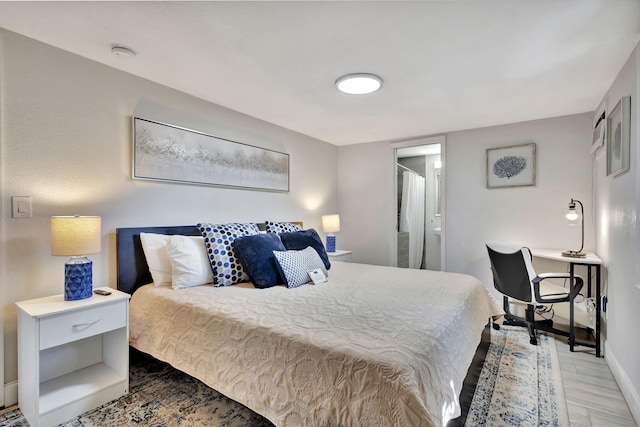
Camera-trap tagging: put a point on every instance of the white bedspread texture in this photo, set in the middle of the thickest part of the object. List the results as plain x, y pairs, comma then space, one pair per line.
374, 346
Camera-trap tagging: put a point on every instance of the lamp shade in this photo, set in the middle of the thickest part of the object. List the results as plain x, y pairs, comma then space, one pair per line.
75, 235
331, 223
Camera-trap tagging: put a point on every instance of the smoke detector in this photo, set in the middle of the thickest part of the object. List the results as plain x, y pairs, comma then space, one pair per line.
122, 52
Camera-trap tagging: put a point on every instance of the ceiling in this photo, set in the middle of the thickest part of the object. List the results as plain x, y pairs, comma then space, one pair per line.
446, 65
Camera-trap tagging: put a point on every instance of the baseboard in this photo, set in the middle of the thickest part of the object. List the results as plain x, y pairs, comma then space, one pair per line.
626, 386
10, 394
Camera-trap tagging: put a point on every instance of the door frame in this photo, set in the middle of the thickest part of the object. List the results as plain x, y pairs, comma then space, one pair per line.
3, 399
439, 139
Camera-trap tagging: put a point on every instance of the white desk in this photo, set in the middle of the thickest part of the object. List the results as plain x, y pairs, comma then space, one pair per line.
590, 261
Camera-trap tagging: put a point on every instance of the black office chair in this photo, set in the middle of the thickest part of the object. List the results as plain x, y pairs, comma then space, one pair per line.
515, 278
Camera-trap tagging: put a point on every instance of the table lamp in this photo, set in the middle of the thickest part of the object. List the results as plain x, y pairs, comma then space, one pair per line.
572, 217
330, 225
76, 236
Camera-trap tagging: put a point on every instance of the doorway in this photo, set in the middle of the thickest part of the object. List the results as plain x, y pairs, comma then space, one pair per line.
420, 203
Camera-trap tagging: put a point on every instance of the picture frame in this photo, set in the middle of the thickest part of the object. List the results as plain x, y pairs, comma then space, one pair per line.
511, 166
618, 137
169, 153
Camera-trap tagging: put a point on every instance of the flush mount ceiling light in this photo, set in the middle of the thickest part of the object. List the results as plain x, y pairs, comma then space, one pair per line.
359, 83
122, 52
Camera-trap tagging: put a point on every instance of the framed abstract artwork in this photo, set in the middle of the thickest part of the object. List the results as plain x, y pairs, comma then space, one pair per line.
618, 135
163, 152
512, 166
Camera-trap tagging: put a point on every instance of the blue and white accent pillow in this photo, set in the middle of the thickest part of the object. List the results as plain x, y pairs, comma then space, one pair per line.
226, 268
295, 265
281, 227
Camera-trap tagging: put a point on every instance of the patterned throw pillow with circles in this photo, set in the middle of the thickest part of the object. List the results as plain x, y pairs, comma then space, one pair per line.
226, 268
281, 227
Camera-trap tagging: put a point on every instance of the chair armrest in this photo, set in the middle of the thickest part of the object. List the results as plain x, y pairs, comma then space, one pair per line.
577, 286
556, 276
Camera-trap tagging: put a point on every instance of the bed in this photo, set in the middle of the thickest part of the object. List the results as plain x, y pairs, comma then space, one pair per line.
373, 346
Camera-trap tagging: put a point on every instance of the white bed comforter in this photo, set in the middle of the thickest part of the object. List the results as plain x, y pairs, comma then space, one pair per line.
374, 346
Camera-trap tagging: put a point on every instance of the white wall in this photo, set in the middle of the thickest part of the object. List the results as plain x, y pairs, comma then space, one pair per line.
618, 243
66, 142
474, 214
533, 216
367, 204
2, 393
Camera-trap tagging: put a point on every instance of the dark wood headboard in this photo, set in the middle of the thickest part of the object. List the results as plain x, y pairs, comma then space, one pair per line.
133, 270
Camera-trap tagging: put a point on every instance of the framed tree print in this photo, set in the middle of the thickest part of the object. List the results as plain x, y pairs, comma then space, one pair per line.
512, 166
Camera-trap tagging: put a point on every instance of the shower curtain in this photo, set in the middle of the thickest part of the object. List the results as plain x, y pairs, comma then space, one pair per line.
412, 215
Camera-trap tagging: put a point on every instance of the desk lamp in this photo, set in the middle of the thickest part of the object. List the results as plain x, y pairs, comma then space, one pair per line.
330, 225
76, 236
572, 216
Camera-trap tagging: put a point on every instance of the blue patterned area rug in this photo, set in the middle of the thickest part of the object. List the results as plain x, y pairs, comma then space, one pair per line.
519, 385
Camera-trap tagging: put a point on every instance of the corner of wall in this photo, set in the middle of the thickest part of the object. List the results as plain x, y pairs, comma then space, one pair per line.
2, 279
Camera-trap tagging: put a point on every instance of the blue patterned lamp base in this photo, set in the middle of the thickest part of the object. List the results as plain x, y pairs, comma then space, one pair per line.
331, 242
78, 283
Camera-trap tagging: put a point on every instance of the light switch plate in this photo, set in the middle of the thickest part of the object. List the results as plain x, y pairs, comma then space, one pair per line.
21, 206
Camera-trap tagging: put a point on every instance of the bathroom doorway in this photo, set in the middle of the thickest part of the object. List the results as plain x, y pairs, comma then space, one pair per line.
419, 200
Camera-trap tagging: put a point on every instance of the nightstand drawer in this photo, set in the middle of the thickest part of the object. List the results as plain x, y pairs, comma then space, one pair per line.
83, 323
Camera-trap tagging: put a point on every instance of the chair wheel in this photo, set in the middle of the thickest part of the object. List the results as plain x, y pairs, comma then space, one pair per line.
496, 326
533, 341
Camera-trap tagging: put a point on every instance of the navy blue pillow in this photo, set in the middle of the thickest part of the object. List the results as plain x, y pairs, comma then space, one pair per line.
298, 240
255, 254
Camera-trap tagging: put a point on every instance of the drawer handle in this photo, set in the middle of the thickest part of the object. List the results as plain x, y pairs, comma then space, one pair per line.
86, 325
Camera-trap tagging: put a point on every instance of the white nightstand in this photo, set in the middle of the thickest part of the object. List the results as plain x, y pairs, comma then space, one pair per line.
341, 256
72, 355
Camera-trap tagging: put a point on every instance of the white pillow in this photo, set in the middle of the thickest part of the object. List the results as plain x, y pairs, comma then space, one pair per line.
190, 264
155, 251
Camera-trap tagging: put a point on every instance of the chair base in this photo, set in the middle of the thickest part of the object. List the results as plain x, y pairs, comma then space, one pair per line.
529, 322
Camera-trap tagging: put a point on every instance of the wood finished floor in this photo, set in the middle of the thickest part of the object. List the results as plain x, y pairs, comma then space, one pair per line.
593, 396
